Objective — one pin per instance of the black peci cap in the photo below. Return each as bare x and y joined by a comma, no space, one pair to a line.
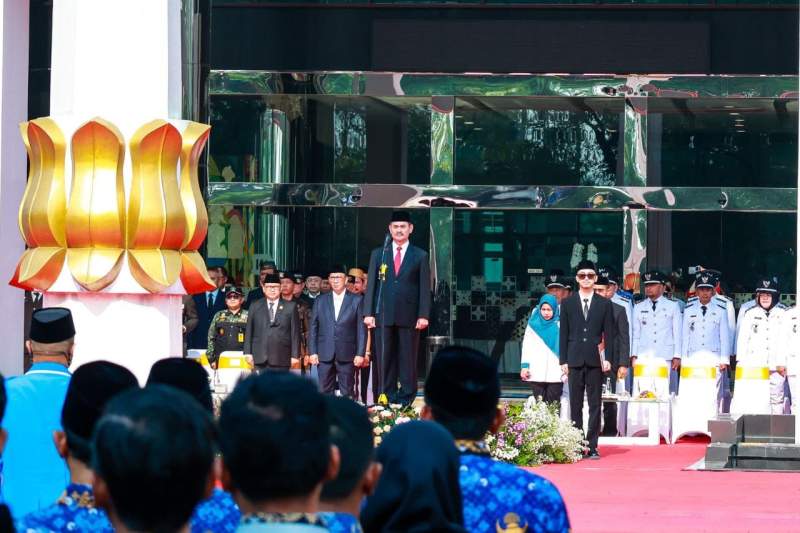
463,382
401,216
51,325
272,278
585,264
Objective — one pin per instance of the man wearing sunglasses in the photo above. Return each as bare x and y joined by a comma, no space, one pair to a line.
226,332
586,322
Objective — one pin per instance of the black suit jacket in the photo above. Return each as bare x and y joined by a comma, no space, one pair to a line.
254,294
407,296
579,338
198,338
344,338
274,343
622,346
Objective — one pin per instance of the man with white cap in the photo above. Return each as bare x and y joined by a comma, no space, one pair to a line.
760,355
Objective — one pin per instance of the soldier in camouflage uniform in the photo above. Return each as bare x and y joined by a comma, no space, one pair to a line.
226,332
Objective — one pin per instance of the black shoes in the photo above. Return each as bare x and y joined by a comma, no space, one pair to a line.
593,454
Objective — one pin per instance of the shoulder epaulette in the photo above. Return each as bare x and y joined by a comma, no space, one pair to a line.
722,297
692,299
722,306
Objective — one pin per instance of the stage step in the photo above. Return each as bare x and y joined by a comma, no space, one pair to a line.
752,442
766,456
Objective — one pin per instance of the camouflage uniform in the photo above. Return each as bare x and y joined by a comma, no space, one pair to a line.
225,333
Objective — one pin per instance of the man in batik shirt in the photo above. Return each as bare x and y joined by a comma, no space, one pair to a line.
92,386
462,393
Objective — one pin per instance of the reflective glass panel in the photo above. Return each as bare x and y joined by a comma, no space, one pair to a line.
537,141
320,139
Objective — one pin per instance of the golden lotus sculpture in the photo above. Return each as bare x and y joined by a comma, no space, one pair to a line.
157,233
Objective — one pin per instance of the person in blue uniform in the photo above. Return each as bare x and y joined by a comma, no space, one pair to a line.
90,389
462,394
6,523
33,474
351,432
218,513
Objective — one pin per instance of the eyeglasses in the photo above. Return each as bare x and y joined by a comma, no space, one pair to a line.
584,275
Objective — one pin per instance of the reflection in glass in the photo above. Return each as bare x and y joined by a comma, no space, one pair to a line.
537,141
722,142
320,139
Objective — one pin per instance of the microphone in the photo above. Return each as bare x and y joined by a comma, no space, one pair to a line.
387,240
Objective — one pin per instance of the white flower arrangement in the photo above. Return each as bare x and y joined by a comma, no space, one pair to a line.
385,418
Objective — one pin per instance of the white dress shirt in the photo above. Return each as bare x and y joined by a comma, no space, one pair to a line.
338,299
403,250
586,297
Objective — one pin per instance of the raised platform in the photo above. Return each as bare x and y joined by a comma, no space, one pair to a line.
752,442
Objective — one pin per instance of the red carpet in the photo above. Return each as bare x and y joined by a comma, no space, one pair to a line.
645,489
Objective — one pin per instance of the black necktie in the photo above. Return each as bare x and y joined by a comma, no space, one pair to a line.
210,300
703,307
586,309
272,311
654,307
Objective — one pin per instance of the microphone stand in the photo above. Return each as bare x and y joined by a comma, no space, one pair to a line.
380,306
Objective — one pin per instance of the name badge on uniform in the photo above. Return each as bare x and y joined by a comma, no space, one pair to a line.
240,338
221,331
691,326
755,328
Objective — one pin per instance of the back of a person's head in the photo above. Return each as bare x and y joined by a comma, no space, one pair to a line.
462,391
186,375
274,437
419,488
351,432
92,386
153,451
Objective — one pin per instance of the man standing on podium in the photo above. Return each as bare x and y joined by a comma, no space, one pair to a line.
400,273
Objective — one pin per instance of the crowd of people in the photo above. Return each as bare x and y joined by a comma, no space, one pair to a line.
587,340
94,451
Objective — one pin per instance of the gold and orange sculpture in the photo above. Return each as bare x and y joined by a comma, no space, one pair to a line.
157,234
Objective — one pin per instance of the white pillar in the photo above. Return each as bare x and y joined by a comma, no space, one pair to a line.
13,110
119,60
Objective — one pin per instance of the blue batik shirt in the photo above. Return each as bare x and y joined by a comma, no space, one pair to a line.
501,497
217,514
341,522
74,511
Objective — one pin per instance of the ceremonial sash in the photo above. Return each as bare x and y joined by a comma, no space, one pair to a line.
752,372
650,371
702,372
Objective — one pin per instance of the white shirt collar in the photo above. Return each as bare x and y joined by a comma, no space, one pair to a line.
403,247
339,296
589,297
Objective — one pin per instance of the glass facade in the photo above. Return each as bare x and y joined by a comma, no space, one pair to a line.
506,177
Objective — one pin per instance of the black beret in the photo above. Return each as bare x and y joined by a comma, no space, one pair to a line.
654,276
51,324
463,382
272,278
585,264
401,216
92,385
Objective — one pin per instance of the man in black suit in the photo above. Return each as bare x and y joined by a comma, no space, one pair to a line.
257,293
403,280
272,334
337,336
621,354
586,322
207,304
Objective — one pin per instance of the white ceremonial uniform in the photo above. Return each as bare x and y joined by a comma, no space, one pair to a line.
656,341
759,388
790,340
749,304
704,347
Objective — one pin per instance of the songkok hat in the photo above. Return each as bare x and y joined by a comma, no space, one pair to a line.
401,216
51,324
705,280
92,385
769,285
554,278
272,278
463,382
183,374
654,276
585,264
338,269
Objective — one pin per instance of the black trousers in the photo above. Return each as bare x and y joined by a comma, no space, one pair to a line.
398,362
548,392
333,372
266,367
588,379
